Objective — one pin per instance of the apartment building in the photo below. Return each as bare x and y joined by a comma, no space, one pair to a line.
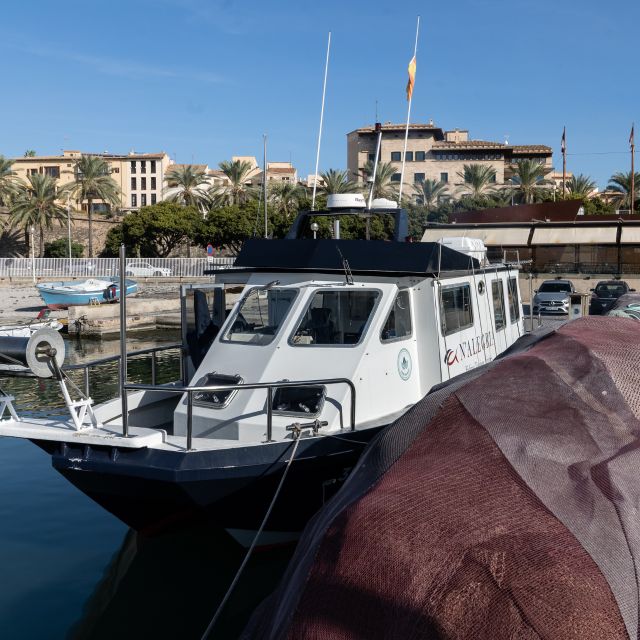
433,153
140,176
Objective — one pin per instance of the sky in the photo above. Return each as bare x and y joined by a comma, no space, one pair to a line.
203,80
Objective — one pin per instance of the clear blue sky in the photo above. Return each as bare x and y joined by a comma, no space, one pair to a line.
204,79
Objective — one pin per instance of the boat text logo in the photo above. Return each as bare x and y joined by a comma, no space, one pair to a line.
468,348
404,364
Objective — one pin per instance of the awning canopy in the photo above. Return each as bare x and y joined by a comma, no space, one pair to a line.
575,235
491,236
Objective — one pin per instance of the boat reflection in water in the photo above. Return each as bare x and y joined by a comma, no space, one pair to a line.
169,586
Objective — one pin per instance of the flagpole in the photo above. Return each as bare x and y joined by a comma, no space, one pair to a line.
564,161
324,91
406,131
633,174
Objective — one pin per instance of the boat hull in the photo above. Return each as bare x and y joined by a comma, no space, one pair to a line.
62,295
153,490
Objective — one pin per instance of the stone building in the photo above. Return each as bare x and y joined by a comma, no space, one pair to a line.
433,153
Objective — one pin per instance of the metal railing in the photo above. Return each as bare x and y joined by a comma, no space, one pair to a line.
108,267
269,386
86,367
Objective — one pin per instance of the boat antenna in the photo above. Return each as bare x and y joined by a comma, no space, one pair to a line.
378,129
264,185
324,92
412,66
345,265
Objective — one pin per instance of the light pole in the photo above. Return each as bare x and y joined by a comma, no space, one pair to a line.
69,228
33,253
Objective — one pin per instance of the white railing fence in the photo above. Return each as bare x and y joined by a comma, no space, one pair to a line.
105,267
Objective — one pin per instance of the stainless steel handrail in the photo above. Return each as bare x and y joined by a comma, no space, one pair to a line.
269,386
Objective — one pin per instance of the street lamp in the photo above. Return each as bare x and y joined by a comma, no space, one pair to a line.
314,227
69,227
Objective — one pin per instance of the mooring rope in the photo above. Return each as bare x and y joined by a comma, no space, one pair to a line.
232,586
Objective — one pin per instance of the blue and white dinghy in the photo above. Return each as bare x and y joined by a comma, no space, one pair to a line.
61,295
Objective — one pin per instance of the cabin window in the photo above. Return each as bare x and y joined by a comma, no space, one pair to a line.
306,401
514,306
216,399
498,304
260,315
398,323
456,312
336,318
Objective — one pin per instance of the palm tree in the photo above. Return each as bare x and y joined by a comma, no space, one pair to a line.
7,180
286,196
187,184
36,205
29,153
336,181
529,179
92,181
429,192
620,184
238,173
581,186
385,186
479,179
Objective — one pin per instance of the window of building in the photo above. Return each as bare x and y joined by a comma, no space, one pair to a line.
153,183
143,166
396,156
420,155
134,200
498,304
32,172
395,177
134,184
408,156
456,312
372,158
153,166
493,178
133,166
143,200
418,177
444,177
514,306
398,323
336,318
153,198
54,172
116,170
143,183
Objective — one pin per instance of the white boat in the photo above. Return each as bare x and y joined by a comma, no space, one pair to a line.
331,341
19,330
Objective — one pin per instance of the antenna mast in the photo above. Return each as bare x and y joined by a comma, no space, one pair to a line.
324,92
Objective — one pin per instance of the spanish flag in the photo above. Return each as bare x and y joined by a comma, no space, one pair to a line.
412,77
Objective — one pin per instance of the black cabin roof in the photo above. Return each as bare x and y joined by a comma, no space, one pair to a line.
363,256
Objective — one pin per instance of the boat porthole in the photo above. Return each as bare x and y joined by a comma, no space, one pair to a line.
480,287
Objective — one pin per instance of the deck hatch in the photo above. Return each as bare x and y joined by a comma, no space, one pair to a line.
216,399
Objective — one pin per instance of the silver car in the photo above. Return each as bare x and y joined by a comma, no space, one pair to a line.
141,268
553,296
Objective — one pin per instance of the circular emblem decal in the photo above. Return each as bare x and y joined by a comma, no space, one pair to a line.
404,364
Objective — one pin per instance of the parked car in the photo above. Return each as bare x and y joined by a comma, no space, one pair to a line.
553,296
145,269
605,295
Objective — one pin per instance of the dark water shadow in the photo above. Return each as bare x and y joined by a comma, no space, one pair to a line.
169,586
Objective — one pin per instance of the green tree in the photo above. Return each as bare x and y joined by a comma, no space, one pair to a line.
35,205
238,173
8,183
187,184
154,231
529,179
92,181
581,187
336,181
596,206
29,153
428,192
384,186
60,249
479,180
286,197
620,185
230,226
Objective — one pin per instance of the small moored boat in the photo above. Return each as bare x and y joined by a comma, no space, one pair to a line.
60,295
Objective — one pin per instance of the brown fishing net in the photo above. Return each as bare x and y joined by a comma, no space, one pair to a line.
504,505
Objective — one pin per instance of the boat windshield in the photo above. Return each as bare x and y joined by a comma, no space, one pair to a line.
260,315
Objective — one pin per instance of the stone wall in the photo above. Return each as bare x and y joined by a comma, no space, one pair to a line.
79,232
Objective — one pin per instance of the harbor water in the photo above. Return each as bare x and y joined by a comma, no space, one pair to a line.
71,570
